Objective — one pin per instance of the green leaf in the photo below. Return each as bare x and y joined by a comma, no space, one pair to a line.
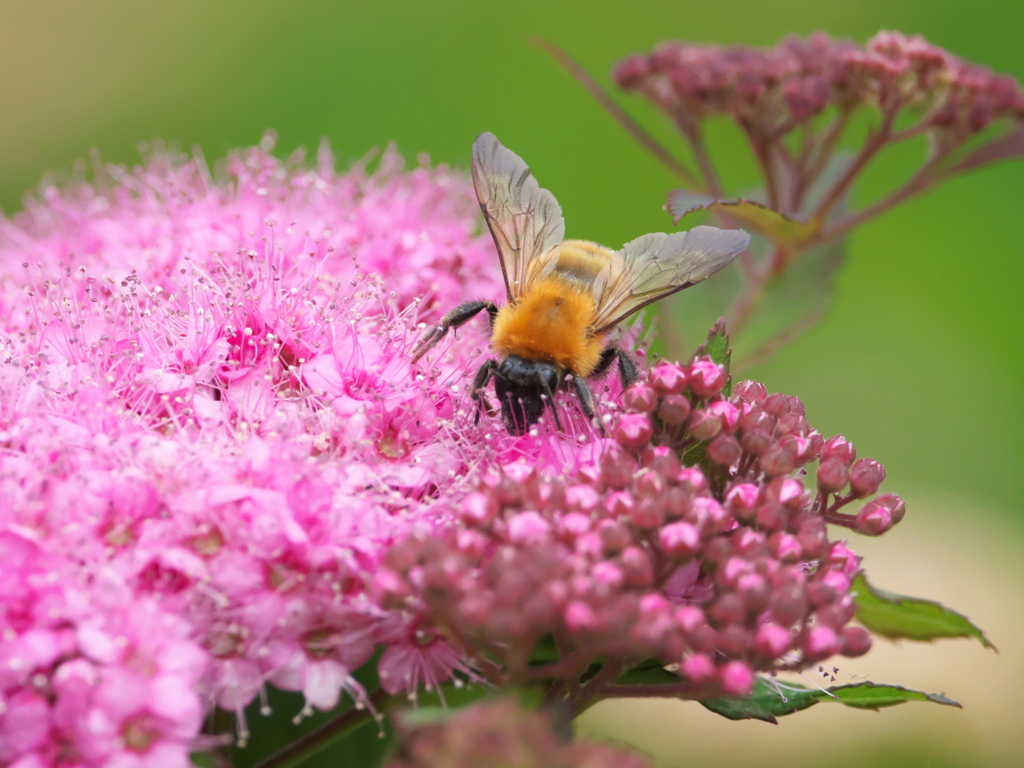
771,700
911,618
776,226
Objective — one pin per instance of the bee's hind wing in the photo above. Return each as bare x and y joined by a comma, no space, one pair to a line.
658,264
525,220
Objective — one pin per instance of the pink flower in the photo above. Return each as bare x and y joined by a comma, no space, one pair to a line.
208,409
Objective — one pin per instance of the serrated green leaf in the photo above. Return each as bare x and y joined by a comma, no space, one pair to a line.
876,696
770,701
911,618
776,226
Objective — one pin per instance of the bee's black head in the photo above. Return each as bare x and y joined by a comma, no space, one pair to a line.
523,386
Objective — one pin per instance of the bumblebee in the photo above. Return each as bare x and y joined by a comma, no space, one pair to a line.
564,296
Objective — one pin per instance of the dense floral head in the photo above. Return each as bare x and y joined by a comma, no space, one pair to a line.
206,401
777,88
690,538
221,469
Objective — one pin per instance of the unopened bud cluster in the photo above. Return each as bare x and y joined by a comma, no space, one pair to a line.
718,561
778,88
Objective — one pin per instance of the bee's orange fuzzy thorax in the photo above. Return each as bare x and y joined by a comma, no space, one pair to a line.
550,322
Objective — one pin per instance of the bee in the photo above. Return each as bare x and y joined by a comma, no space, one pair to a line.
564,296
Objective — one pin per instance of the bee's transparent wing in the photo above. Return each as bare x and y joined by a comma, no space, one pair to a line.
656,265
525,220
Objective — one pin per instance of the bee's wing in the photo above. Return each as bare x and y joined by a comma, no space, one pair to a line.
656,265
525,220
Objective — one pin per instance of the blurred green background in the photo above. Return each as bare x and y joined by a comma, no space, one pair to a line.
919,361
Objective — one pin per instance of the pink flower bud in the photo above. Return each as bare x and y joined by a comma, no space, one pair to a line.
583,498
753,588
840,449
756,441
580,617
679,539
842,558
777,461
528,528
647,515
785,491
832,476
608,576
874,519
792,423
650,484
667,379
786,547
894,504
614,537
633,430
856,641
631,71
788,604
725,451
820,643
728,413
674,409
692,480
750,392
703,425
708,514
772,517
771,640
705,377
477,509
619,504
866,476
637,567
729,608
741,501
698,668
736,678
776,404
617,467
663,460
640,398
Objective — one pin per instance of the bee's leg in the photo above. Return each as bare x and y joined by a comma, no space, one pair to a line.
586,398
454,319
480,382
627,370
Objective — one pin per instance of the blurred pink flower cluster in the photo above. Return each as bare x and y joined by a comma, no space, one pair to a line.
499,734
778,88
724,569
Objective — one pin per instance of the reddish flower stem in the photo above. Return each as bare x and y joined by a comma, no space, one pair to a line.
633,128
875,141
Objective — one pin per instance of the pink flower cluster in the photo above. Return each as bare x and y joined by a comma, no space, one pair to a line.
777,88
720,563
219,470
210,432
